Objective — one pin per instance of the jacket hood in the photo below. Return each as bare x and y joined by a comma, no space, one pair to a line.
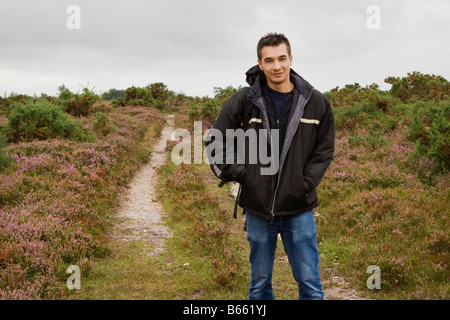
252,74
301,84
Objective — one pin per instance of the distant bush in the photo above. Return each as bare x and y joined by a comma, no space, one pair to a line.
418,86
430,130
7,103
135,96
203,109
78,104
113,94
154,95
207,109
158,90
223,94
38,120
5,160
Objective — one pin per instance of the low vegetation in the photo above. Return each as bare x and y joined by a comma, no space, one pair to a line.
60,175
384,200
63,160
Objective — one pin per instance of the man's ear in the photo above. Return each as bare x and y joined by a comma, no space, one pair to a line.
259,64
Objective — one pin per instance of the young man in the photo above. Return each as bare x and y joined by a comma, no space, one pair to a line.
298,128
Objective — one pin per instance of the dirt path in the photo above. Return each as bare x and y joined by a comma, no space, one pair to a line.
140,214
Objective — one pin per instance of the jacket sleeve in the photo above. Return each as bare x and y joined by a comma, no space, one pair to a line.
317,164
222,157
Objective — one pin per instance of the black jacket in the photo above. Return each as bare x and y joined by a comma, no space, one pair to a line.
306,147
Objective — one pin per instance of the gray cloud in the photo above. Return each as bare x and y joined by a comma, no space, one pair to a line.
193,46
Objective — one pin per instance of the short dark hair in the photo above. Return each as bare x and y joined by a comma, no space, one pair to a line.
272,40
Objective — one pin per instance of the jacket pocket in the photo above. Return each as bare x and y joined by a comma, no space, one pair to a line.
311,197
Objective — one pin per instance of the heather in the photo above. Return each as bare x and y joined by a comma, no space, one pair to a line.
59,187
385,198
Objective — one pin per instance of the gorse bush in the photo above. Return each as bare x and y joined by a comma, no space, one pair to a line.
38,120
418,86
430,130
103,124
5,160
206,109
223,94
78,104
154,95
353,93
158,90
7,104
209,110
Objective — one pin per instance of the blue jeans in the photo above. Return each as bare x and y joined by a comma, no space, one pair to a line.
299,240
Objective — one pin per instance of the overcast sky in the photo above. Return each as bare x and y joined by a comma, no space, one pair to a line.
195,45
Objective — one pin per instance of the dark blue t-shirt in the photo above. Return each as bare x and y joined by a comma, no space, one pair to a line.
278,100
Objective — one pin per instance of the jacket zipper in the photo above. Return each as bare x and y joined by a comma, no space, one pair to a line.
261,107
272,213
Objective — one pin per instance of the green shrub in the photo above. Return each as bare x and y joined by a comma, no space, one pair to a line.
209,110
430,131
7,103
38,120
154,95
79,105
417,86
158,91
119,102
135,96
134,93
223,94
103,124
194,112
112,94
5,160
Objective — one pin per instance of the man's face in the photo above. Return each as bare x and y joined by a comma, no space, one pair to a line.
276,64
